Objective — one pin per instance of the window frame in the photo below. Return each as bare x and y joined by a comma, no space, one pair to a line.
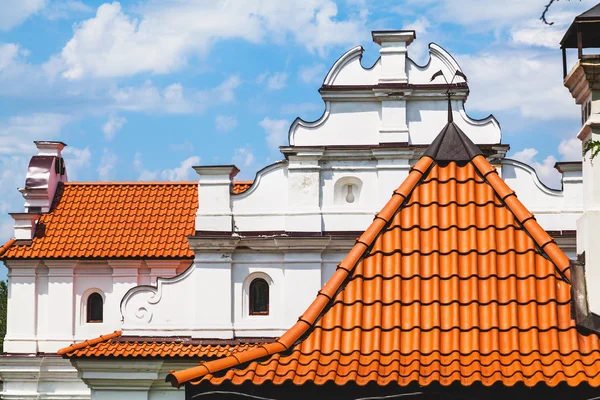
89,306
251,311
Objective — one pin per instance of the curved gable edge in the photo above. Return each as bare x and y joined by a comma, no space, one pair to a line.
258,177
342,62
436,52
143,313
534,176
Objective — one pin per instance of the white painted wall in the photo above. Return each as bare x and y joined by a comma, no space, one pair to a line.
46,305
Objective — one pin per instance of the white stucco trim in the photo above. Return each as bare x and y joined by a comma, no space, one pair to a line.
310,125
149,296
342,62
534,177
259,176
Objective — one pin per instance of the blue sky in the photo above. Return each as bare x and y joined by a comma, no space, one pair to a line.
142,90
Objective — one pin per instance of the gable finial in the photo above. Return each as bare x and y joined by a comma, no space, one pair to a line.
456,73
449,107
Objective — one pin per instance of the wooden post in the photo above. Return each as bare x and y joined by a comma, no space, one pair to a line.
579,44
564,60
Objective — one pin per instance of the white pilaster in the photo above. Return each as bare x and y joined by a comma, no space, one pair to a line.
393,54
304,190
394,128
22,307
214,197
24,225
213,316
61,302
302,263
124,276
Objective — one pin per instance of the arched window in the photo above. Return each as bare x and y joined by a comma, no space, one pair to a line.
95,308
259,297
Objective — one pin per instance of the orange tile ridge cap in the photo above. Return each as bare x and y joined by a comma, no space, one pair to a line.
539,235
114,183
90,342
7,246
324,296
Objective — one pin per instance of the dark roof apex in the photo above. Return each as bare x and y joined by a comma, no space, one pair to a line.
452,144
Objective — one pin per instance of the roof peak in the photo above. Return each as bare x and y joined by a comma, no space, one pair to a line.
452,144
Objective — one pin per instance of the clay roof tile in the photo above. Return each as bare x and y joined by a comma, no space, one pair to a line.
453,281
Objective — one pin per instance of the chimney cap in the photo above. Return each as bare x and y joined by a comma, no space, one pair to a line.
24,216
405,36
49,147
49,143
230,170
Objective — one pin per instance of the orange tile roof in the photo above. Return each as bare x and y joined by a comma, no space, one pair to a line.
111,220
241,186
114,345
454,281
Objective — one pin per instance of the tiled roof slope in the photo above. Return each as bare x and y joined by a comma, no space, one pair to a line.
106,220
454,281
241,186
114,345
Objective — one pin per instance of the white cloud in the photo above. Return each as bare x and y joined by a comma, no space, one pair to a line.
174,98
8,54
108,165
277,81
75,160
225,123
168,34
113,124
276,130
545,169
492,15
312,74
65,9
17,133
527,81
419,49
14,12
182,172
145,174
568,149
243,156
261,78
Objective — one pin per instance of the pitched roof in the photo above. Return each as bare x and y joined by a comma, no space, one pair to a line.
454,281
241,186
115,345
115,220
104,220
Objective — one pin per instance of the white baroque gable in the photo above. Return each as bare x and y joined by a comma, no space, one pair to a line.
361,109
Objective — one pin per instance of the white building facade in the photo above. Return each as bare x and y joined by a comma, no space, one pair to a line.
290,229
